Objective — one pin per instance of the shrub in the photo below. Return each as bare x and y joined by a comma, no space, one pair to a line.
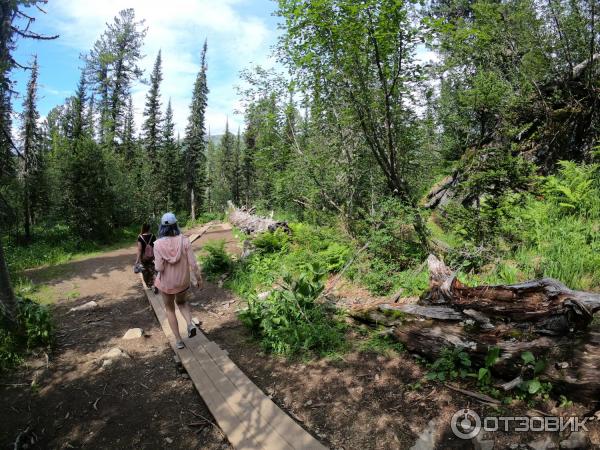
291,320
270,242
34,329
334,257
9,356
216,260
37,323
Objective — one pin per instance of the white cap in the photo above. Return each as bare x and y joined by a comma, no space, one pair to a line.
168,219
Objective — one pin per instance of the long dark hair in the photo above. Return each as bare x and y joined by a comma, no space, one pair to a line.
145,229
168,230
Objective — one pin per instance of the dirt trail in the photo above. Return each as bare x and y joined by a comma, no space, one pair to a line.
142,401
362,400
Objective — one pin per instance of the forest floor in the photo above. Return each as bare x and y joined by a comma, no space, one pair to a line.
355,400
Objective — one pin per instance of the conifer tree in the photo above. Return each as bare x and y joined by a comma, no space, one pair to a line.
128,133
195,135
89,124
152,113
247,170
13,23
170,163
112,67
236,172
78,106
31,147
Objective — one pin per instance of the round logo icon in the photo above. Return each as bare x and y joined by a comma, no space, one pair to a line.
465,424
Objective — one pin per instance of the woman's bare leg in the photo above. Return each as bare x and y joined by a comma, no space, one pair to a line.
184,307
169,301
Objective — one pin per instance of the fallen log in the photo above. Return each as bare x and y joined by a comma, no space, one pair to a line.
543,317
547,304
250,223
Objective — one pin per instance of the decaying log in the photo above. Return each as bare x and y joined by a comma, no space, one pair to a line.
547,304
251,223
543,317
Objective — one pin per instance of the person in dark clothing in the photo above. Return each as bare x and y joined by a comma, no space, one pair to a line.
145,256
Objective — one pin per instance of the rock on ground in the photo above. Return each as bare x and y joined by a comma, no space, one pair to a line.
133,333
577,439
85,306
112,355
542,444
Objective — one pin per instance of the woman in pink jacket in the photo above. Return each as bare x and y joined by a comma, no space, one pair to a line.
173,260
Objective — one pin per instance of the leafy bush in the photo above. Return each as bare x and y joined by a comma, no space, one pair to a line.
9,351
215,261
34,329
334,257
270,242
37,323
452,363
291,320
391,235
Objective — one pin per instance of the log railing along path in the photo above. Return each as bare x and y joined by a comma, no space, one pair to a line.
249,418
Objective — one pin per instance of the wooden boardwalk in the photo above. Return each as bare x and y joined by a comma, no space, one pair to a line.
245,414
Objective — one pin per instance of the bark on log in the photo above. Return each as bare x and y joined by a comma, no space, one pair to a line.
547,304
251,223
541,316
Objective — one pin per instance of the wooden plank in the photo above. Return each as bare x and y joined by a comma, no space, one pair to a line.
284,424
246,415
233,427
203,230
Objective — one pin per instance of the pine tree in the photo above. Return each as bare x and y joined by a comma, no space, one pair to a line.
247,170
170,163
236,169
10,29
112,67
152,125
226,165
78,105
128,133
195,143
89,124
31,147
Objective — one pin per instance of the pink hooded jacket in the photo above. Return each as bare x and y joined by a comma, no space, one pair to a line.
173,260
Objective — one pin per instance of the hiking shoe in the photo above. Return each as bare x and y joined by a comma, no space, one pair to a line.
180,345
191,330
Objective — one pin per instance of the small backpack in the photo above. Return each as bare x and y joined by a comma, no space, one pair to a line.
149,250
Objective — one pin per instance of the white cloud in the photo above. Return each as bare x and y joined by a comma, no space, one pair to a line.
178,28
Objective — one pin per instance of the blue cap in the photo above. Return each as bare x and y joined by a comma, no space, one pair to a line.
168,219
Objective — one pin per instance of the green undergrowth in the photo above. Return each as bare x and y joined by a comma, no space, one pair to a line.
215,260
291,320
34,329
277,254
378,341
57,244
553,231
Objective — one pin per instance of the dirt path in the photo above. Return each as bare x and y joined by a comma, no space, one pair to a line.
362,400
137,402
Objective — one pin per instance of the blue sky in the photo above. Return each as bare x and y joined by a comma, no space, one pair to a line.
240,34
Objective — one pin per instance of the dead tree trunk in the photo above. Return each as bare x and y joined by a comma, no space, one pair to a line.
541,316
250,223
